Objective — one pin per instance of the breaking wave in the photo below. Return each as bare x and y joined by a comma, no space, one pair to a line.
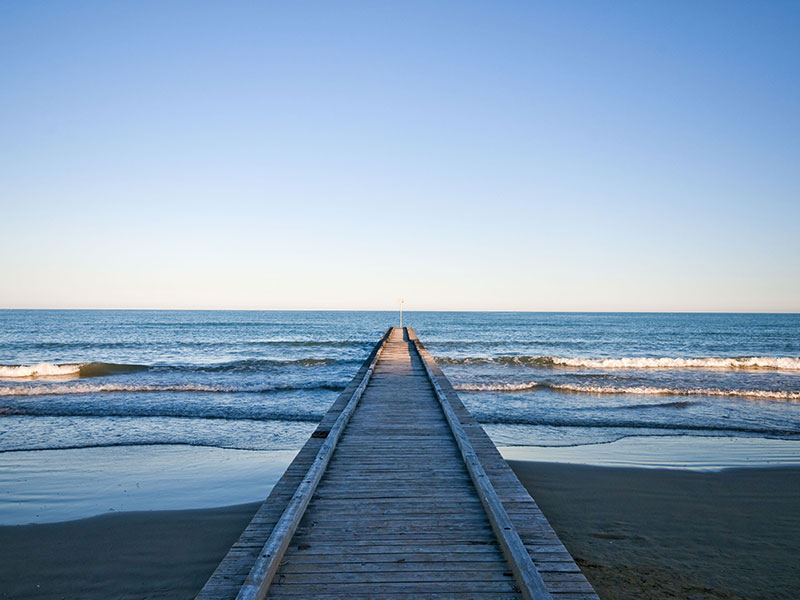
659,391
775,363
181,411
102,388
744,362
639,390
257,363
498,387
332,343
46,369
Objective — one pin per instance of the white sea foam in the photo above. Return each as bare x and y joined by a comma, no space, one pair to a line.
640,390
659,391
497,387
783,363
746,362
44,369
92,388
103,388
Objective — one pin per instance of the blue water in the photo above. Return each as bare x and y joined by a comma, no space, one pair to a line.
261,380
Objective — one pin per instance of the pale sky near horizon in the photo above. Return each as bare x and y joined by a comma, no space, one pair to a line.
462,155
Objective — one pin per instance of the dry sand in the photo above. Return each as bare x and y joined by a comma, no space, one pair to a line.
637,533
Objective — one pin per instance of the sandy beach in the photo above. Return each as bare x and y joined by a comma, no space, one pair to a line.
152,554
661,533
637,533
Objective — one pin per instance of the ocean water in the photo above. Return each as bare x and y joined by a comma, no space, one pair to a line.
261,380
148,410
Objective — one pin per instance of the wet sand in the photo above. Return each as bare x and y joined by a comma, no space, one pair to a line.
637,533
658,533
153,554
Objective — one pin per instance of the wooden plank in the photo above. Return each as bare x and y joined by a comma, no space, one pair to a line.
392,594
384,576
310,590
434,564
442,560
333,548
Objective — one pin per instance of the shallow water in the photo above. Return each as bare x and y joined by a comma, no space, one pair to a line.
61,485
692,453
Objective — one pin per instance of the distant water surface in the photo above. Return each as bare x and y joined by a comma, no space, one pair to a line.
261,380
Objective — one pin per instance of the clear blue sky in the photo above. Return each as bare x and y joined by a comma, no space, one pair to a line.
463,155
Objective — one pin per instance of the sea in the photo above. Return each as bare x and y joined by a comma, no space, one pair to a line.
115,392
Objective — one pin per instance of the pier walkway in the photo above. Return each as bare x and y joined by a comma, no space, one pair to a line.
399,493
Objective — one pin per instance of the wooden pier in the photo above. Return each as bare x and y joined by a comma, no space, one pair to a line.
399,493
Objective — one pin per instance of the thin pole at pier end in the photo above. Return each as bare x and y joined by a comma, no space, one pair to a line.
400,302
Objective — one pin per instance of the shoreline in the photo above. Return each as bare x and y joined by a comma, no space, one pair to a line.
635,532
58,485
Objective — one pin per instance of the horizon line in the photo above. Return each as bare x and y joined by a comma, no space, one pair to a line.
408,311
